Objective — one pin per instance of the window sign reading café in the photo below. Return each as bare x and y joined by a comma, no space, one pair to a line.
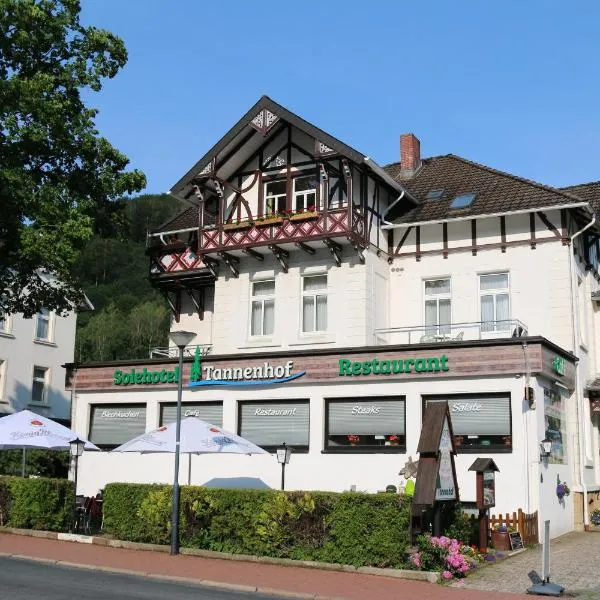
479,421
360,423
270,423
112,425
211,412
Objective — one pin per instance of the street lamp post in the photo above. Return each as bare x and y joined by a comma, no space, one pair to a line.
76,447
181,339
283,458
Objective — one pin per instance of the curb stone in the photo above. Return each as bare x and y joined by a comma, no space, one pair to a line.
428,576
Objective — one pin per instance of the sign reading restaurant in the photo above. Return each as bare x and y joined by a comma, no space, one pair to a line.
389,367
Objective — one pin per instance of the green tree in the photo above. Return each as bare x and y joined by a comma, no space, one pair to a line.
60,181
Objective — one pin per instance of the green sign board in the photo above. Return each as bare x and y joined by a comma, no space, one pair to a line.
558,365
145,377
392,367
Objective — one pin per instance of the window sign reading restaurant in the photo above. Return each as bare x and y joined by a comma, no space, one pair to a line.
479,421
211,412
270,423
112,425
374,423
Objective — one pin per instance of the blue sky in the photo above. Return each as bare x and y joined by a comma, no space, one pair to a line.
514,85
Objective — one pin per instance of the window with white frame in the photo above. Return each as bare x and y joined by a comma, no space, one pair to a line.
40,383
437,306
305,193
262,319
42,325
314,303
3,323
495,302
275,196
2,378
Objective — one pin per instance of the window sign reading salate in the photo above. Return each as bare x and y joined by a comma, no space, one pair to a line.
373,423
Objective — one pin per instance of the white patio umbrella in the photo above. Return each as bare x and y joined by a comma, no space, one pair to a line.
25,429
197,437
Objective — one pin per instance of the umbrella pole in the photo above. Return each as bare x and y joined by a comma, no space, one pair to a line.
23,462
190,469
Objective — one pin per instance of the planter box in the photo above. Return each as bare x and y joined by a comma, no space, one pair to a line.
234,226
269,221
304,216
500,540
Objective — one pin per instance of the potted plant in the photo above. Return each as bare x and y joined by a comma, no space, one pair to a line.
353,439
562,490
270,219
595,517
305,214
393,440
500,538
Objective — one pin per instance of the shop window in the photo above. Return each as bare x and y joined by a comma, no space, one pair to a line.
314,303
39,385
275,196
437,306
494,301
262,320
269,424
114,424
555,425
480,422
305,193
211,412
357,425
42,325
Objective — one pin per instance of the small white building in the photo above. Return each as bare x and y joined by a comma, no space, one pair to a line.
33,353
381,289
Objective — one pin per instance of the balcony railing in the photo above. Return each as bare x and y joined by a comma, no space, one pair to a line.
453,332
173,351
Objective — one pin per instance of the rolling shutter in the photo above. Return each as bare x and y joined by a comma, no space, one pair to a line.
211,412
270,424
366,417
114,425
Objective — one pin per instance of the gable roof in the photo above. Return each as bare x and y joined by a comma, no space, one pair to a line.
243,129
590,192
496,192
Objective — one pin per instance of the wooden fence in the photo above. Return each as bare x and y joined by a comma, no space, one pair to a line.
526,525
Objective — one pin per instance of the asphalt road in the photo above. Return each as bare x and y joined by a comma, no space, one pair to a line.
29,580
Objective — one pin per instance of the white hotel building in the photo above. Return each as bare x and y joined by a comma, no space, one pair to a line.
377,290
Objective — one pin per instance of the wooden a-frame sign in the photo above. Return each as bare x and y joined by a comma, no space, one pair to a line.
436,475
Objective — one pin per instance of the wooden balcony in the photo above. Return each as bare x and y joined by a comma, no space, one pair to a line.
333,229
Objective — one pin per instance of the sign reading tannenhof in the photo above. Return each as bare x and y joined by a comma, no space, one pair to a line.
390,367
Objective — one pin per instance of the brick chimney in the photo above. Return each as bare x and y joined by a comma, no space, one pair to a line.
410,153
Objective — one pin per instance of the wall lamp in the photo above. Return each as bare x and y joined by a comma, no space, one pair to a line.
545,448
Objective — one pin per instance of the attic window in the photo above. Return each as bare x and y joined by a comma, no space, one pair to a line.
463,200
434,194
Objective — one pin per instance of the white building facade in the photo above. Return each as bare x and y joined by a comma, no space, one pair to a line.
382,290
33,353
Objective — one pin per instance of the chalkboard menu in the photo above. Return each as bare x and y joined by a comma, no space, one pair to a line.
516,541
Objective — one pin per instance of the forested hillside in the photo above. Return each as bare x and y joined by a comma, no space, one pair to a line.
130,317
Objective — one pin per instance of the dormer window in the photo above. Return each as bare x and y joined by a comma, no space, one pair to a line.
434,194
275,196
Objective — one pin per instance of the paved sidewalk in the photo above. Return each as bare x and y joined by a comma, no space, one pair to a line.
279,580
573,564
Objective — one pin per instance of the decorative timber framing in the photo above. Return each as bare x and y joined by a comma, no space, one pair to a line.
282,256
336,251
565,239
264,121
232,262
173,298
197,298
418,243
546,221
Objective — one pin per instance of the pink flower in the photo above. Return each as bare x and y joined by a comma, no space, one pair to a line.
447,575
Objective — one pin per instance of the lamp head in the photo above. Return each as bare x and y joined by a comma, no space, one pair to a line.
182,338
76,447
545,448
284,453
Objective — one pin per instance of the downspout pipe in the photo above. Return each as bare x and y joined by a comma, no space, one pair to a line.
575,325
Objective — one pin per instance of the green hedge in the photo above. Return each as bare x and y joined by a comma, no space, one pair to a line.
348,528
39,503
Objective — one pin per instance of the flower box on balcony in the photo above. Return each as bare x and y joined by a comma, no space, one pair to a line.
305,216
269,221
239,225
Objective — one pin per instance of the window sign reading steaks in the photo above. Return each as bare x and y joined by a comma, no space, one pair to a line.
393,367
113,425
268,424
